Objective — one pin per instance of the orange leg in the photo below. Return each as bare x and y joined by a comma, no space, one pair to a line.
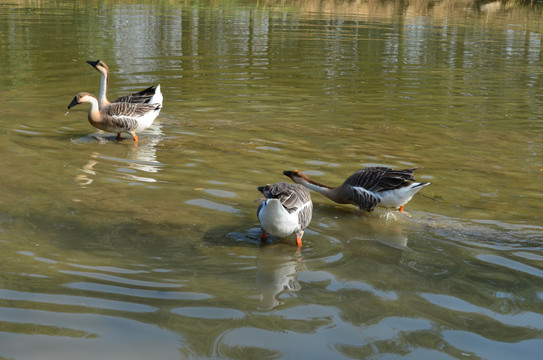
298,241
135,137
118,136
262,236
401,209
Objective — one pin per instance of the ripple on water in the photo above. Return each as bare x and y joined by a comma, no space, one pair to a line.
220,193
323,327
208,204
111,269
309,276
121,280
154,294
71,300
206,312
490,349
524,319
510,264
83,336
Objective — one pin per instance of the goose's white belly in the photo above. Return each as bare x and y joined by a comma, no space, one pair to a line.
398,197
146,120
276,221
391,199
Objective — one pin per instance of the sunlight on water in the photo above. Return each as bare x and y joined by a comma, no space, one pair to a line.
123,250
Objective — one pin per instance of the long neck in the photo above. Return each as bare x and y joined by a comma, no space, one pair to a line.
315,186
102,97
94,112
332,193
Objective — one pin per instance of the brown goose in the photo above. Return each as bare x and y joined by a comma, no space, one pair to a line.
151,95
368,187
118,117
286,209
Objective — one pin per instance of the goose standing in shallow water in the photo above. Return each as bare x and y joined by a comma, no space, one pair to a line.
368,187
151,95
287,209
118,117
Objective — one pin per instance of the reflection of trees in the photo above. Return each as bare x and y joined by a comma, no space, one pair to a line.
262,38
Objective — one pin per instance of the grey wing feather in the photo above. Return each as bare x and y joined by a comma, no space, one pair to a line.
381,178
140,97
292,196
364,199
132,110
305,214
123,115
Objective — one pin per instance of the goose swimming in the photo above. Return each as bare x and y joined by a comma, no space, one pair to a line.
287,209
118,117
368,187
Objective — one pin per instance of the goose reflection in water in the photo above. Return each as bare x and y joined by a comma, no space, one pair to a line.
277,268
138,158
382,227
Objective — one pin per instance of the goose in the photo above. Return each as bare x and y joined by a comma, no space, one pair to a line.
118,117
287,209
368,187
151,95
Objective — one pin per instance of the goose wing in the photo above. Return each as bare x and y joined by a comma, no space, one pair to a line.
124,116
140,97
294,198
129,109
306,212
375,179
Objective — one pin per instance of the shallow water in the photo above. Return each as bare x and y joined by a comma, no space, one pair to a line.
117,250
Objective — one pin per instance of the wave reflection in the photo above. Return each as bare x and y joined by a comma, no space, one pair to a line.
139,158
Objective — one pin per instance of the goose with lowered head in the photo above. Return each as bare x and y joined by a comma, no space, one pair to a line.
286,209
368,188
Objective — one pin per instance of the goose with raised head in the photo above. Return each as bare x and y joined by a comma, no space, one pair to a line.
287,209
368,188
118,117
151,95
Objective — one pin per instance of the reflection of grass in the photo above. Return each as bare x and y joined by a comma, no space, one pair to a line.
379,8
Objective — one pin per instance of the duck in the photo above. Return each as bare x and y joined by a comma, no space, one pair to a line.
286,209
151,95
368,188
118,117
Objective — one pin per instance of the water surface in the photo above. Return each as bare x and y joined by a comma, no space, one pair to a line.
115,250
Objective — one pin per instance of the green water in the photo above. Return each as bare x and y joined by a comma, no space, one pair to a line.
115,250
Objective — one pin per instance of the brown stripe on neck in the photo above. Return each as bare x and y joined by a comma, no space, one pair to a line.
318,184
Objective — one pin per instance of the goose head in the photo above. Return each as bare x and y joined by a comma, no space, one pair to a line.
296,176
265,190
82,97
99,65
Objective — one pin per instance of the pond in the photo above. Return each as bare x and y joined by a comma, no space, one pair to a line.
122,250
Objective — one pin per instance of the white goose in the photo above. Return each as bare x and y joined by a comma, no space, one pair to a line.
287,209
368,187
118,117
150,95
